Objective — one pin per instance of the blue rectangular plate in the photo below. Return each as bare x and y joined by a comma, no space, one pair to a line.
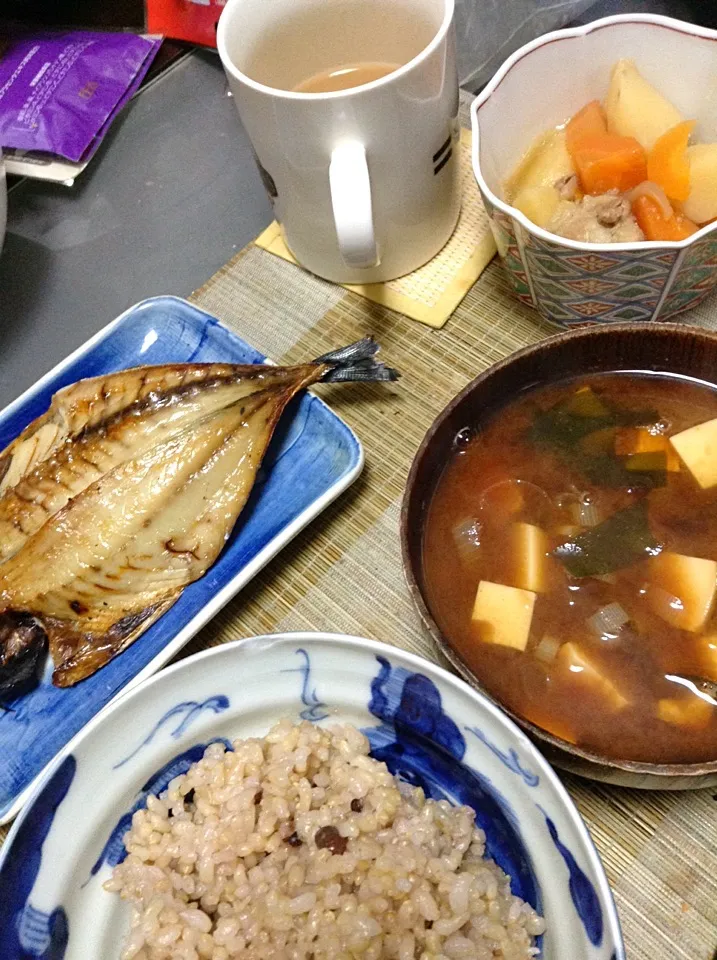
313,457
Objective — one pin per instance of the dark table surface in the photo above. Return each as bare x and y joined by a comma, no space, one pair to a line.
172,194
170,197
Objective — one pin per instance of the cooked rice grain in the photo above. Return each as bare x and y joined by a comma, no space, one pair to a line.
302,847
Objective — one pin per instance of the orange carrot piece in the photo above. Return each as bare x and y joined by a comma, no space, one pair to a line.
632,440
656,226
667,162
607,161
685,226
589,120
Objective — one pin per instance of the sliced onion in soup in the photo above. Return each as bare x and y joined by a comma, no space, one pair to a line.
608,621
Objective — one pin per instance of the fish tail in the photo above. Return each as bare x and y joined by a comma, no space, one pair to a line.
356,362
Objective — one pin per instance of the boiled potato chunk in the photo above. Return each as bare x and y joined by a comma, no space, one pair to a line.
546,162
577,662
503,614
701,202
689,585
537,203
693,712
635,109
528,550
697,447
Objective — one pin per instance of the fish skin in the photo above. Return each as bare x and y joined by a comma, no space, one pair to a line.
125,491
98,571
22,644
103,422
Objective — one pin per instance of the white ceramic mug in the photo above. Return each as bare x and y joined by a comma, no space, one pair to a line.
365,181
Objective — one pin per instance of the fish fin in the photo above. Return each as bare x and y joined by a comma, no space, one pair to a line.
78,655
356,362
35,444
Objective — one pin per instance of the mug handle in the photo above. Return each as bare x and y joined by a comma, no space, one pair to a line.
351,201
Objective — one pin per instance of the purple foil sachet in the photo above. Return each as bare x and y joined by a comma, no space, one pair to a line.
59,92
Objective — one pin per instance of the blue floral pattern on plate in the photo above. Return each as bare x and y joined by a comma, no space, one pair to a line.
421,744
416,722
25,931
315,709
189,710
510,758
312,458
581,890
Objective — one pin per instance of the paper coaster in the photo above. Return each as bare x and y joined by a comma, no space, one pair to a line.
431,293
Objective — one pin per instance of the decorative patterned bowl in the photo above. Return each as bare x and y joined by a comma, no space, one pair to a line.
542,85
427,725
665,348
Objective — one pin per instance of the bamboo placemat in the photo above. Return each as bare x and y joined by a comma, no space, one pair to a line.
344,573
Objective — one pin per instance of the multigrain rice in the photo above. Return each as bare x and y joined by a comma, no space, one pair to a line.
300,846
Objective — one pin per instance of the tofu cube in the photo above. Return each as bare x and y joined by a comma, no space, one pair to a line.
685,589
632,440
503,614
692,712
573,659
707,656
697,448
528,551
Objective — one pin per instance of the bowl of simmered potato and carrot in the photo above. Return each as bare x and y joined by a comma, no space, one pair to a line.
595,151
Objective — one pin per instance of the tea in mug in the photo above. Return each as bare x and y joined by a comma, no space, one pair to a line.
338,44
345,77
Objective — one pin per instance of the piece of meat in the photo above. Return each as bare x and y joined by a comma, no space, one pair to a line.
603,219
567,187
611,210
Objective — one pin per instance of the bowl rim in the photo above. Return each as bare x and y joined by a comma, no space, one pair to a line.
257,645
635,246
636,767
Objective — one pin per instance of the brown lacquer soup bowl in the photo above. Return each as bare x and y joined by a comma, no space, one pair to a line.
612,590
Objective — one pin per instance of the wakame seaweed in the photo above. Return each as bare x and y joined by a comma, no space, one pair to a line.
605,470
622,539
564,427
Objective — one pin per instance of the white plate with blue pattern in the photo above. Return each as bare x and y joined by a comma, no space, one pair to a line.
313,457
430,727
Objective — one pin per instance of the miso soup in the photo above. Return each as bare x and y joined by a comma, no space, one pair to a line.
570,558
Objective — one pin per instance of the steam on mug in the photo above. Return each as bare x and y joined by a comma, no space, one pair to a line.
351,107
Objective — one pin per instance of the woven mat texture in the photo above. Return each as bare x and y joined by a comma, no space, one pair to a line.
344,572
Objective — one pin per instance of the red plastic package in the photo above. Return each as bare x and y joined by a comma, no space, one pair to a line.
192,20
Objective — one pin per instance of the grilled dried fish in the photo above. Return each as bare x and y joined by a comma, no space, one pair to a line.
126,490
